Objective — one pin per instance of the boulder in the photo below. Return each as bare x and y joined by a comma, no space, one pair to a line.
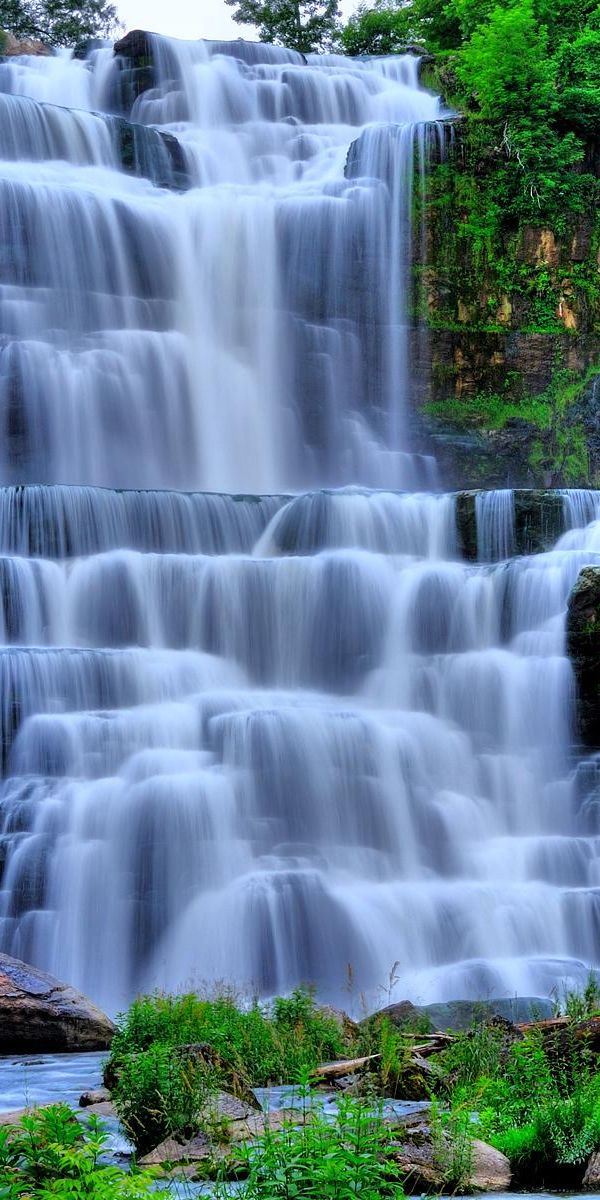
460,1014
490,1169
39,1013
583,648
173,1151
104,1109
15,1115
464,1014
591,1179
426,1162
136,45
201,1146
347,1027
403,1015
96,1096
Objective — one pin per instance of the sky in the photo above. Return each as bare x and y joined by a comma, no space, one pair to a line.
188,18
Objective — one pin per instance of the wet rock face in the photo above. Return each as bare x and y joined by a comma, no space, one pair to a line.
135,56
539,521
39,1013
583,648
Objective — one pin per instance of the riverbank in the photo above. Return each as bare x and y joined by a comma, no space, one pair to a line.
201,1088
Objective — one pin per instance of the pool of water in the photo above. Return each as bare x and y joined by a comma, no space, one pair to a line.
48,1078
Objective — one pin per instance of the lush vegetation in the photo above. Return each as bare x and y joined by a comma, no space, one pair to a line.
511,211
171,1053
49,1154
58,22
304,25
313,1158
534,1094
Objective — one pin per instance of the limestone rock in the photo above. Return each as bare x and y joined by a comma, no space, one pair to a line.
201,1146
39,1013
257,1123
172,1151
226,1105
104,1108
14,1116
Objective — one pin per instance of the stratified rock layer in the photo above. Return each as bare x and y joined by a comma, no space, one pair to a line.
38,1012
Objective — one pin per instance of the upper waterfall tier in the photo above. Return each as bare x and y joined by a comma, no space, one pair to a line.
249,335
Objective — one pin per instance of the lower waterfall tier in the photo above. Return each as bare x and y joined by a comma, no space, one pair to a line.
266,766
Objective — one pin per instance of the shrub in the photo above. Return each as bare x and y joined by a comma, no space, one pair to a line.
321,1159
161,1092
50,1154
261,1045
160,1089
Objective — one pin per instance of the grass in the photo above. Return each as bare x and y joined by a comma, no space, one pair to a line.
171,1053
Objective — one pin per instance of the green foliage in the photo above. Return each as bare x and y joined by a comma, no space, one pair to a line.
161,1087
58,22
49,1154
473,1054
578,1005
526,76
537,1101
563,1130
378,30
261,1044
505,68
160,1092
304,25
452,1134
320,1159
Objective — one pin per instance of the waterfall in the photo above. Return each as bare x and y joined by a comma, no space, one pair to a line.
260,720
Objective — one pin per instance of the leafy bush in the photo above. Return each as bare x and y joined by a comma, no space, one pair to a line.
318,1159
160,1092
49,1154
262,1044
564,1130
172,1052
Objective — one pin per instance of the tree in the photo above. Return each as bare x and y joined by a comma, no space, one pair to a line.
384,29
507,68
58,22
304,25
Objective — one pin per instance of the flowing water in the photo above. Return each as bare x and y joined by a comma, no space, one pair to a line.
266,736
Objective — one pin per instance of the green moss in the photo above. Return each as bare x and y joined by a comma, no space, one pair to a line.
558,443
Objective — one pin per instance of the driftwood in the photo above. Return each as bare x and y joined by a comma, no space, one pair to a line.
345,1066
586,1030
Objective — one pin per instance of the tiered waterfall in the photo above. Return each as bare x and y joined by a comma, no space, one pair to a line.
269,735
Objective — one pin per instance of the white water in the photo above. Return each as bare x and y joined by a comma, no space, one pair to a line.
247,335
250,737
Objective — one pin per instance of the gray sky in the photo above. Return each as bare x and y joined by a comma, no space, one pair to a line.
188,18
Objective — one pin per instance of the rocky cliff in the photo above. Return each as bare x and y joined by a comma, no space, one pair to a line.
507,324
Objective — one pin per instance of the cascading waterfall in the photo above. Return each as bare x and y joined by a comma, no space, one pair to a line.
265,735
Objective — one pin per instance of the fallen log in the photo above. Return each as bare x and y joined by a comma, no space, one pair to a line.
344,1066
